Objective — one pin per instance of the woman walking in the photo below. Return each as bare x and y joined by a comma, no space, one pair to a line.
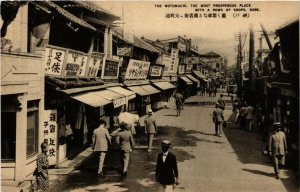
42,163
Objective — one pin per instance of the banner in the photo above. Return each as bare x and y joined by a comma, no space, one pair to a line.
94,64
137,69
50,133
73,64
54,59
83,66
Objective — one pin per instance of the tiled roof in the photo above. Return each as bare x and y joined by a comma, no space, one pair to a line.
68,15
144,45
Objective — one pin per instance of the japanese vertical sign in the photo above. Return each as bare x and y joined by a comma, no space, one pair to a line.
137,69
50,133
174,61
94,65
54,59
83,66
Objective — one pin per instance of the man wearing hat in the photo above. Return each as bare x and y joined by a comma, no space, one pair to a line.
277,148
218,120
150,129
166,168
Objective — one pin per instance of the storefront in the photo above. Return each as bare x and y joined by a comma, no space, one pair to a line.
22,109
185,86
196,84
167,91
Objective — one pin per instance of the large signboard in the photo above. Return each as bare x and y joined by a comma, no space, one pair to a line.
54,59
137,69
110,69
73,63
50,133
156,71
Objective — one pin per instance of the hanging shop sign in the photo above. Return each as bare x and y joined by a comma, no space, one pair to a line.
137,69
119,102
54,59
94,64
156,71
181,69
192,60
110,69
50,133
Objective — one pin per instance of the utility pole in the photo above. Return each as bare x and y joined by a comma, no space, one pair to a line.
251,57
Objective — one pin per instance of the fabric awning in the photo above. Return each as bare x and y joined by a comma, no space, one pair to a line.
150,89
200,75
186,80
122,91
116,98
138,90
194,79
164,85
91,99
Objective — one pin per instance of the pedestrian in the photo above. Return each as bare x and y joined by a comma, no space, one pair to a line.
41,172
125,140
166,168
150,129
221,102
178,106
242,117
249,117
277,148
100,141
218,119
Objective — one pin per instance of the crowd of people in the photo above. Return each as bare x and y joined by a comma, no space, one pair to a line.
210,91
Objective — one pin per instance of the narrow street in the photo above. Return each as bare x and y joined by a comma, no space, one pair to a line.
233,162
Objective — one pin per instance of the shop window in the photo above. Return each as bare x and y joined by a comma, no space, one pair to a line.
8,136
32,127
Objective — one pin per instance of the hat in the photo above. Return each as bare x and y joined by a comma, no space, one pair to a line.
217,104
166,142
150,111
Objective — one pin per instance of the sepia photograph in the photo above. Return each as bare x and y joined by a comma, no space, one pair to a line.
149,96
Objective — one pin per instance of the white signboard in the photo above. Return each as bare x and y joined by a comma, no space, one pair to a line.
73,64
119,102
137,69
54,59
83,66
50,133
155,71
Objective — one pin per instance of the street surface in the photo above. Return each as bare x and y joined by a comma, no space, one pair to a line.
233,162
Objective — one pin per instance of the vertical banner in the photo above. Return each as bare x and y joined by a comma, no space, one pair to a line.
83,66
54,59
174,60
50,133
94,64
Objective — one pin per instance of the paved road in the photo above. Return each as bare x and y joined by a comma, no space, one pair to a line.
233,162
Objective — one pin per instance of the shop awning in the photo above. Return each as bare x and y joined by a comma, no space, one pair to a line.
116,98
186,80
164,85
150,89
91,99
194,79
122,91
200,75
138,90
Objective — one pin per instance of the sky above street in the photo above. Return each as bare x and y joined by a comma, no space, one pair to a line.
148,19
